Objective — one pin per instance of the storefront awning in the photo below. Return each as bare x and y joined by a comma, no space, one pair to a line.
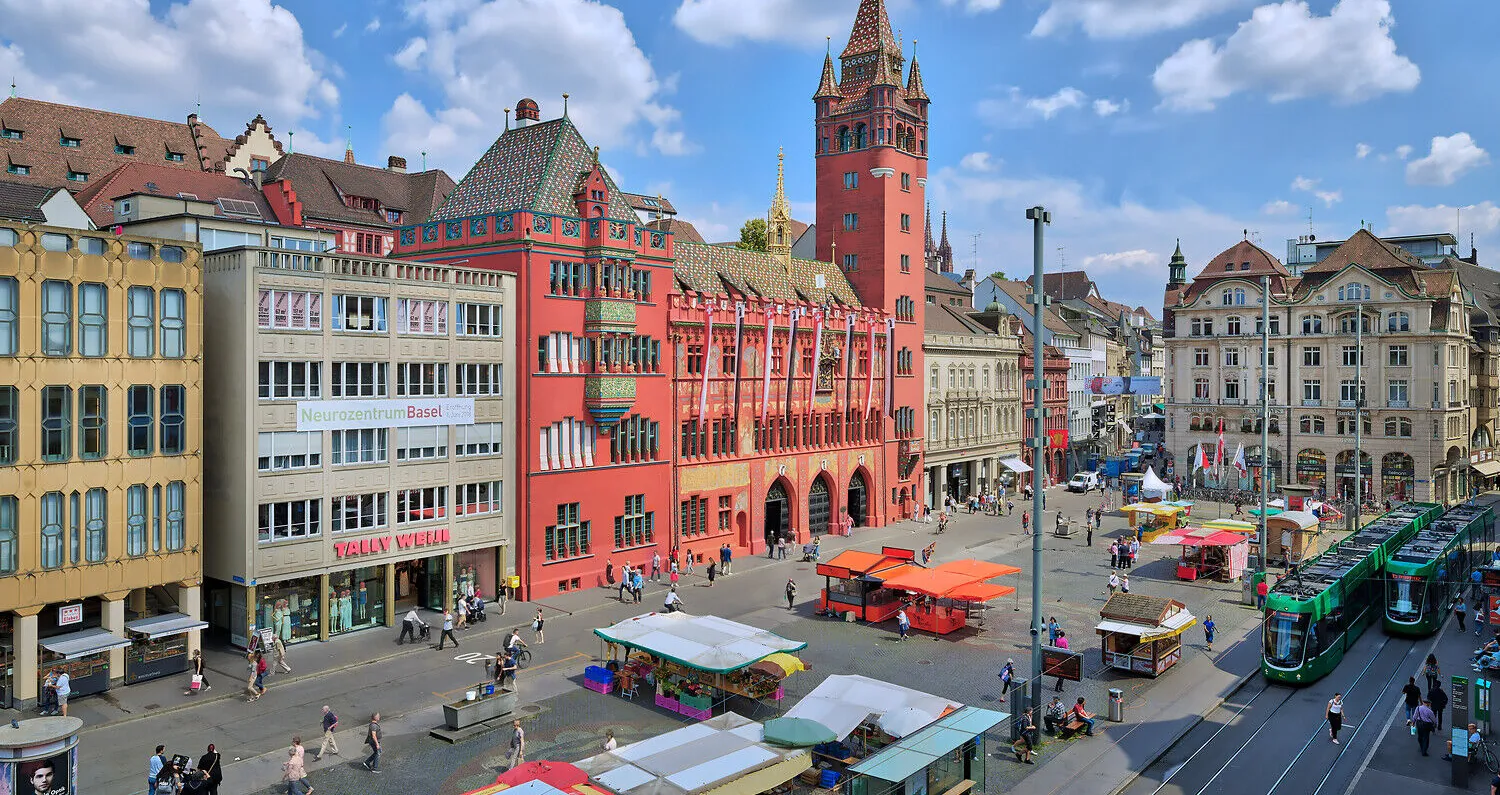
83,643
1015,465
165,625
1487,468
1174,625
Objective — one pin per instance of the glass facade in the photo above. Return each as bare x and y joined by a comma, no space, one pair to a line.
356,599
289,608
476,574
420,583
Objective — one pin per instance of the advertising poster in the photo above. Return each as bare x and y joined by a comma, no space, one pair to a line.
51,776
5,779
1125,385
1062,663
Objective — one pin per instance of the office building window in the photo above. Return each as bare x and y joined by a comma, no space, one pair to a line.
358,379
57,421
358,446
10,314
415,444
355,512
92,421
140,321
478,380
364,313
290,310
176,516
421,505
57,318
10,410
290,380
9,535
480,320
282,450
173,419
173,324
53,541
95,525
475,499
288,521
479,439
93,319
139,415
418,379
421,316
135,520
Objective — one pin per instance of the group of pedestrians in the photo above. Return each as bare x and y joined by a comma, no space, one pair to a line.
1122,552
177,775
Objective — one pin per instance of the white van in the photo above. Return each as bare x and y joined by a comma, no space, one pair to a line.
1084,482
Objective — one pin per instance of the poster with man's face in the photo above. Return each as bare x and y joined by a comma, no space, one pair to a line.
45,777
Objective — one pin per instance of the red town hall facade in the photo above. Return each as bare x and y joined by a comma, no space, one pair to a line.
679,396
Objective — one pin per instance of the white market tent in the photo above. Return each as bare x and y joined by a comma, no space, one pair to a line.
1153,486
843,701
725,755
706,643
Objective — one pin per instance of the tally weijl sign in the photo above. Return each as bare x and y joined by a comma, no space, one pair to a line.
336,415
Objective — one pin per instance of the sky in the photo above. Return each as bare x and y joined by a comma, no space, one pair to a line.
1136,122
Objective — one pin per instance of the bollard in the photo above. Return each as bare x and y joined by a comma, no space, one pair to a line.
1116,705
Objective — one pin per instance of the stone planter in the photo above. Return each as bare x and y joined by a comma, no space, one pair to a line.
462,714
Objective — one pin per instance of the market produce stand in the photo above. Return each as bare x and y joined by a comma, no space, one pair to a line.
1210,553
947,598
694,663
1152,519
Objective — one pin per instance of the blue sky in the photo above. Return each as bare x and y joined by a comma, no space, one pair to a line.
1135,121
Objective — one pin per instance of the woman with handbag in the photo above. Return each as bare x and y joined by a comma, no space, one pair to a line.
199,682
209,765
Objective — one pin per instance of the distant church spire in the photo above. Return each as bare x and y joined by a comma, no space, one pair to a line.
945,251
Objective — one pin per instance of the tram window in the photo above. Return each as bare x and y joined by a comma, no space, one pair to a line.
1285,637
1405,597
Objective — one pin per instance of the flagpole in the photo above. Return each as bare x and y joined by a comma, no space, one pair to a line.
1359,400
1265,411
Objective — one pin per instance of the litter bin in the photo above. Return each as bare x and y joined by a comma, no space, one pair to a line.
1116,705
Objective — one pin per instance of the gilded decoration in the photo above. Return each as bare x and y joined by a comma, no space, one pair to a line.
608,316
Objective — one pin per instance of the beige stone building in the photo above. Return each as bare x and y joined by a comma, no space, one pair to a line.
360,408
101,416
1411,395
973,395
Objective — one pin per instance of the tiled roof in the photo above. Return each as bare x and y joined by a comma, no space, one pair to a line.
1138,608
682,230
1260,262
20,201
940,283
1065,286
1367,251
944,319
535,167
98,199
650,204
1018,291
872,30
43,124
321,185
721,269
1141,310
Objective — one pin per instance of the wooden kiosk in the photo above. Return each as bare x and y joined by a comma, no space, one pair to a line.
1142,634
943,599
1292,537
1152,519
853,582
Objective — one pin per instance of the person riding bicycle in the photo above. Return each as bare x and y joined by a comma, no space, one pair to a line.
513,644
942,521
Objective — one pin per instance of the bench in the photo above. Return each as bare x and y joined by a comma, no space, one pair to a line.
1071,729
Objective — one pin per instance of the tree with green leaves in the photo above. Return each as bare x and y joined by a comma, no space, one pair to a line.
753,235
998,276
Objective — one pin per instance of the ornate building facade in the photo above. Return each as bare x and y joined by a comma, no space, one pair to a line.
1410,395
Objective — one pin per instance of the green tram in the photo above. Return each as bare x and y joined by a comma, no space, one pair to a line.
1320,608
1433,567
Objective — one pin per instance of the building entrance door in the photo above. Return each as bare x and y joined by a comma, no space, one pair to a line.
818,508
857,499
776,514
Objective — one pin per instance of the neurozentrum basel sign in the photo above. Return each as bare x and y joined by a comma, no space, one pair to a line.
337,415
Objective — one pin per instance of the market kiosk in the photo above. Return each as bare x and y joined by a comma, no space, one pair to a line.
945,598
694,663
159,646
540,778
1150,520
1142,634
1292,537
948,756
853,580
1210,553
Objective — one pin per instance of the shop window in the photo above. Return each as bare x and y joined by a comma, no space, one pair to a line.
479,439
92,421
289,609
140,322
57,318
357,446
139,408
478,380
173,324
356,599
57,420
173,421
135,520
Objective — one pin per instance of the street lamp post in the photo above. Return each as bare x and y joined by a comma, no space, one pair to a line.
1265,411
1039,218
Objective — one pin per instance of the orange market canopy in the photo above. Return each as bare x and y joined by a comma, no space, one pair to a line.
963,580
980,592
853,563
979,569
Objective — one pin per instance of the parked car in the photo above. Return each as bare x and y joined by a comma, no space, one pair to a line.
1084,482
1149,448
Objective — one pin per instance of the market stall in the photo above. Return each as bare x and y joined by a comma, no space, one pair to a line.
540,778
1142,634
1150,520
1154,489
726,755
694,663
866,714
159,646
1210,553
948,756
853,580
943,599
1291,537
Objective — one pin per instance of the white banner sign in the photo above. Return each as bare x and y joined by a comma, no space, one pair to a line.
335,415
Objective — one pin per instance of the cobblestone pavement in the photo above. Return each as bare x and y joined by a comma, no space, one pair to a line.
962,666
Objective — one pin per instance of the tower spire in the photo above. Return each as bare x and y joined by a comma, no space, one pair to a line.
828,84
945,251
349,144
915,92
779,219
1177,268
928,249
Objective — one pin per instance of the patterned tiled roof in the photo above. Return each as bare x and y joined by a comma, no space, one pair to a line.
98,199
828,85
535,167
717,269
321,185
683,231
21,201
915,92
872,30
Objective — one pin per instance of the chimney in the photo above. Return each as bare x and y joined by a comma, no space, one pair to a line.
395,164
527,113
349,156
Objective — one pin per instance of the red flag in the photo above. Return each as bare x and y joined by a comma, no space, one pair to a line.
708,355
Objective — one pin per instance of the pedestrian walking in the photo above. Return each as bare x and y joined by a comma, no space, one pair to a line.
211,766
1458,612
791,592
154,766
279,649
1413,696
1052,630
673,576
1114,554
461,611
1025,523
1135,549
1424,722
447,631
1261,589
1088,530
1125,583
624,582
1208,632
536,626
655,566
1335,716
689,563
330,723
637,584
261,669
1062,643
294,775
1114,582
1439,701
903,623
517,745
1099,519
372,739
198,683
726,556
712,571
784,548
1007,677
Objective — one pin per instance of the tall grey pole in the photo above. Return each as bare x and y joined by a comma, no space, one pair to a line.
1039,217
1265,411
1359,403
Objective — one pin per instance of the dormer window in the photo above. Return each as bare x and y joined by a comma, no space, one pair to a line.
174,157
14,135
363,203
124,149
393,216
70,143
596,195
18,169
78,176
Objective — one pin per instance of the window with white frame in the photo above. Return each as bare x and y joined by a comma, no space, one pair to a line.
1203,327
357,379
290,520
1397,356
352,513
1398,321
560,352
1200,389
1231,357
475,499
1312,356
290,380
1396,392
1399,427
421,316
1200,357
1351,357
1354,291
421,379
364,313
480,320
1311,424
358,446
140,321
1349,390
415,444
277,451
1232,325
421,505
479,439
567,444
291,310
478,379
1312,389
1312,324
1231,389
173,323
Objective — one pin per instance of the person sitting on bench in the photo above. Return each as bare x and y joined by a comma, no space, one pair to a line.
1080,715
1053,717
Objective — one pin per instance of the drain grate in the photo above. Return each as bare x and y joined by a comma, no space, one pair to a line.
924,662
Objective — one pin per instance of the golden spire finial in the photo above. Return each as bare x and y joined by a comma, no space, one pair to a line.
779,219
596,155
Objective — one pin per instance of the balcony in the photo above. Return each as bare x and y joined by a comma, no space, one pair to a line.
1396,404
1312,403
1232,401
608,316
1203,400
608,397
1348,404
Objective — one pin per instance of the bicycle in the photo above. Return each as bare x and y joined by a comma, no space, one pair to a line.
1482,752
523,658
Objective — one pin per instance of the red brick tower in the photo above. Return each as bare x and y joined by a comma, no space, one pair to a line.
871,183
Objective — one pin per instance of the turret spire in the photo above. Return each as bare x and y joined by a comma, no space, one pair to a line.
828,85
927,247
1177,268
915,92
779,219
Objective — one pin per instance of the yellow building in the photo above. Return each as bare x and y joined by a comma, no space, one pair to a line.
100,438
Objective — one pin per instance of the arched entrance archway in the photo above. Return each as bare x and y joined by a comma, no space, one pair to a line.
858,498
819,507
1343,469
778,512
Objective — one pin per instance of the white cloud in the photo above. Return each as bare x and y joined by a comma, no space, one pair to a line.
1482,221
550,48
1449,159
1329,197
1106,107
1362,151
73,51
796,22
1118,19
373,25
1304,184
1136,258
1015,108
408,56
1278,207
1066,98
976,6
1403,151
339,31
1287,53
976,161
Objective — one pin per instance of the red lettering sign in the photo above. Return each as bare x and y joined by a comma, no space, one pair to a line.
376,546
